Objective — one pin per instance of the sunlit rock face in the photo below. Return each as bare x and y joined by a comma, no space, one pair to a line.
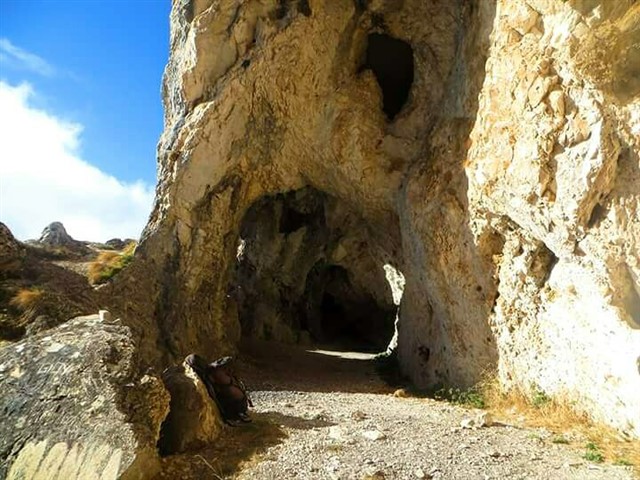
74,407
487,150
554,171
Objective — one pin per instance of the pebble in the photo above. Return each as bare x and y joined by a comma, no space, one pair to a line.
373,435
467,423
336,433
484,419
358,415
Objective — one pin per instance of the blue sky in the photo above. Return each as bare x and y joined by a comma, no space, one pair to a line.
94,69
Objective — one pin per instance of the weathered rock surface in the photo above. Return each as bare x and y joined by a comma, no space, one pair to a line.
55,235
73,407
118,243
11,252
554,170
505,187
194,419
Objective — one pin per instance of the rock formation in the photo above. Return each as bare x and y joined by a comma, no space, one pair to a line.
75,407
490,154
55,235
194,420
11,252
486,152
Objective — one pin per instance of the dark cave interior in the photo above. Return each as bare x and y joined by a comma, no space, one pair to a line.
289,289
391,60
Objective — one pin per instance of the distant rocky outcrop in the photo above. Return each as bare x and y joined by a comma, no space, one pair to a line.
54,240
118,243
56,235
73,406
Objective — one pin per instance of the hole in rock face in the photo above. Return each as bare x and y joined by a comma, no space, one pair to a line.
297,282
391,60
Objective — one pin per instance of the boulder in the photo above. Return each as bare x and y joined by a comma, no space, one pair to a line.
73,406
194,419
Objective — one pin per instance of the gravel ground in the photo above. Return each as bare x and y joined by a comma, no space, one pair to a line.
356,436
320,416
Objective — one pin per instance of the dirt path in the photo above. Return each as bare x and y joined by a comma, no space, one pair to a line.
321,416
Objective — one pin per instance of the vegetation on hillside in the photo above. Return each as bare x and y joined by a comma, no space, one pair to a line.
109,263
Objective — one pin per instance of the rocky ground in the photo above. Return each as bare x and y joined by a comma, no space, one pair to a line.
320,415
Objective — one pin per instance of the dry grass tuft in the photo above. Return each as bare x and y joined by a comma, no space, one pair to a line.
109,263
559,416
28,299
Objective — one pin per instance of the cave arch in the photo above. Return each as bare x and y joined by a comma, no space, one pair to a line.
294,283
391,61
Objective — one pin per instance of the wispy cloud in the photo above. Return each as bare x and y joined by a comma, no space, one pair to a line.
44,179
17,58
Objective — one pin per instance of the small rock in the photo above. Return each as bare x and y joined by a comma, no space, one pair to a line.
419,473
373,435
401,393
495,454
556,101
377,475
358,415
484,419
467,423
105,315
336,433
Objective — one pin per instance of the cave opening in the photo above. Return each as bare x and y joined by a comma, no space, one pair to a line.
305,275
391,61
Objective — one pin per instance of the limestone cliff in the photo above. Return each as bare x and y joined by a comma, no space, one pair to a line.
487,150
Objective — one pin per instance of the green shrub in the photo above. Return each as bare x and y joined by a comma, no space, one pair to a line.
471,397
539,398
593,453
110,263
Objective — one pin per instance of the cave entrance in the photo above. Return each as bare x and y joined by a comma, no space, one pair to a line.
391,61
306,274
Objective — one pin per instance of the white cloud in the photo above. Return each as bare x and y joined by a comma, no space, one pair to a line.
43,179
16,57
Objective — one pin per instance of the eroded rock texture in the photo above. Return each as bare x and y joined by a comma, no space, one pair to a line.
194,419
73,406
487,150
